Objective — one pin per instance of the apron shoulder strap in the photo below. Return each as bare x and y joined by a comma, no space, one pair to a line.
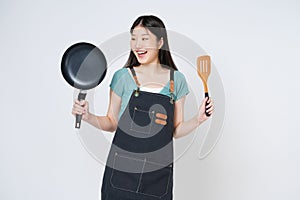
134,76
172,80
136,93
171,85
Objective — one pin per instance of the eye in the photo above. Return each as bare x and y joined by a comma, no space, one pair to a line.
145,38
132,38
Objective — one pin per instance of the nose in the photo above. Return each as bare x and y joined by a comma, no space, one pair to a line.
138,44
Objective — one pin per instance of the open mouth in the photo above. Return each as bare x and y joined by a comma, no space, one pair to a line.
141,52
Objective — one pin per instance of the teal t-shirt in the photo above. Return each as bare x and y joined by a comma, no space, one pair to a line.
123,84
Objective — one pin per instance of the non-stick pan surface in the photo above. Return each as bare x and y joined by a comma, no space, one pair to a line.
83,66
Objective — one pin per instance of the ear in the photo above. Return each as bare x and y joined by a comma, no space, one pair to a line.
160,43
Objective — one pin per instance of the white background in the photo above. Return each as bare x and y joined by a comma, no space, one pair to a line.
255,46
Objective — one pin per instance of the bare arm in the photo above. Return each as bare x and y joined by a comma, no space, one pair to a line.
106,123
183,128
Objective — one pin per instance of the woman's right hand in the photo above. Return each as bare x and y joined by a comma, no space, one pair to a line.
81,108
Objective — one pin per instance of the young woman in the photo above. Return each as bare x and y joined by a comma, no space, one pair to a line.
146,111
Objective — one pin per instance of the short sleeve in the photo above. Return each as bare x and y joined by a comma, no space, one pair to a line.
181,86
117,82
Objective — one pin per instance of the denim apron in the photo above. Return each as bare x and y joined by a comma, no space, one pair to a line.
140,161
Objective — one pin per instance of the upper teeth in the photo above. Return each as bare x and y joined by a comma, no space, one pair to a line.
141,52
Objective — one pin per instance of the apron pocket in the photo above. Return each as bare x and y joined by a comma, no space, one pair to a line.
126,173
141,120
155,183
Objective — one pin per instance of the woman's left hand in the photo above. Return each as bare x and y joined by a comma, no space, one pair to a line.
201,117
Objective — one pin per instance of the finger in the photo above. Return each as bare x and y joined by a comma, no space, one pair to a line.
210,109
82,102
85,109
210,104
76,106
79,112
76,102
208,100
204,101
76,112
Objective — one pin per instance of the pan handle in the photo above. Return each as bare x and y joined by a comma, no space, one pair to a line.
206,113
81,96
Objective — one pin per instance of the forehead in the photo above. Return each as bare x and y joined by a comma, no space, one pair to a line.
140,30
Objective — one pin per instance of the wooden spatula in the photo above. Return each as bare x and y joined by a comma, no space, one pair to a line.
203,69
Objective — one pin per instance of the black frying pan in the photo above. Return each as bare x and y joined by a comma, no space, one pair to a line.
83,66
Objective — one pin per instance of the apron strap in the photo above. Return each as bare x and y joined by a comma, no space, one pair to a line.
134,76
136,81
171,85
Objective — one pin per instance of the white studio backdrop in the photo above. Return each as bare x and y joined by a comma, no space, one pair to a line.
254,46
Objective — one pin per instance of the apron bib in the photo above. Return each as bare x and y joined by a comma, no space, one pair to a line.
140,161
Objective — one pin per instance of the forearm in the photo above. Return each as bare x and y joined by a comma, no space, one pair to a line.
186,127
104,123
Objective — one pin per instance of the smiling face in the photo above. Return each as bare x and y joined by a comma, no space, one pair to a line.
145,45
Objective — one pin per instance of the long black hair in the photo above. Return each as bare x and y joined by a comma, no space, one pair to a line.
157,27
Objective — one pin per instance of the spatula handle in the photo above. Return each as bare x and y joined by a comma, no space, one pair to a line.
206,103
81,96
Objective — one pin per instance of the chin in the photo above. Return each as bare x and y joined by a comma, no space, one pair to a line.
142,62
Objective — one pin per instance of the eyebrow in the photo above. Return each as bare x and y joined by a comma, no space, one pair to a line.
142,34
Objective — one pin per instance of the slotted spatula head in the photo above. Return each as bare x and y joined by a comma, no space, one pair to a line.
203,69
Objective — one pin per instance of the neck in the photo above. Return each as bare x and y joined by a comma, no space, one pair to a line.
151,69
